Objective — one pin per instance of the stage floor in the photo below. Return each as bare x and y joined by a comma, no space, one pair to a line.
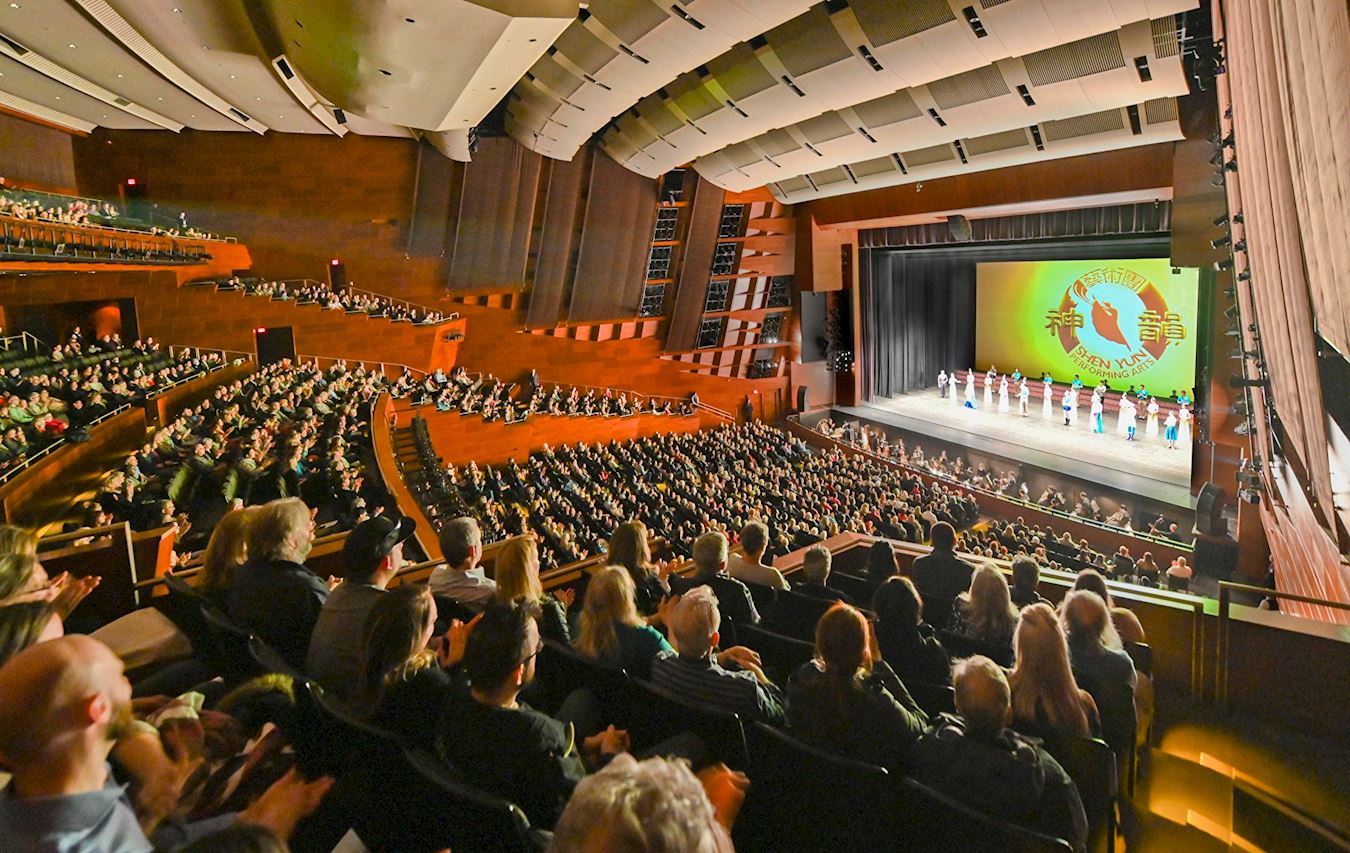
1144,467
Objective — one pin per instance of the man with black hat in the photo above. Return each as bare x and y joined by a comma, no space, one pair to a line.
373,554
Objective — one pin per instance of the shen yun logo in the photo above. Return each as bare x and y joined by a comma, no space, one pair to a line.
1114,323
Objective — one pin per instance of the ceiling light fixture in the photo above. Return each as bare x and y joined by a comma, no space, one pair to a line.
71,45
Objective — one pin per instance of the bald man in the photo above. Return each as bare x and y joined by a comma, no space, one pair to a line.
974,757
63,705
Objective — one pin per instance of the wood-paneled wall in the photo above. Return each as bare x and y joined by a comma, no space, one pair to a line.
35,155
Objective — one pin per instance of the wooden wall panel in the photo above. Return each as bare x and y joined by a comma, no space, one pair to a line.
459,439
37,156
695,266
496,211
297,200
557,242
612,261
437,176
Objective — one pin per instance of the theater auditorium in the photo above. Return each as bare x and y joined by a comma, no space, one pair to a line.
674,425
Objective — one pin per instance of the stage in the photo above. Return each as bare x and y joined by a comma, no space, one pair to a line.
1144,467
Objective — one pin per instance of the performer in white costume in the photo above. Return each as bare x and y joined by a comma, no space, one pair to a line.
1073,412
953,394
1128,411
970,388
1151,428
1170,430
1121,419
1184,418
1023,398
1047,397
1066,403
1003,395
1097,409
942,383
988,392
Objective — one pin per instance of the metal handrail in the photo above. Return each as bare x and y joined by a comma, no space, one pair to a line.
230,355
23,338
318,361
1226,590
65,200
613,391
1059,513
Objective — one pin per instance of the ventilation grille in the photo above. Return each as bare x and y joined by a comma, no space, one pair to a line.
867,168
1160,110
1166,36
1084,125
989,4
925,156
824,127
808,42
885,21
19,50
740,72
1081,58
1015,138
880,112
981,84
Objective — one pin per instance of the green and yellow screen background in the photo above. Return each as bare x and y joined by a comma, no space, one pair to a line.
1022,306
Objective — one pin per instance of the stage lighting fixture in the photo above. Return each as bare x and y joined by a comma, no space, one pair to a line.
1244,428
1217,180
1237,218
1240,246
1223,264
1231,312
1230,292
1229,141
1217,157
1232,332
1221,241
1245,275
1231,165
1240,409
1221,220
1244,382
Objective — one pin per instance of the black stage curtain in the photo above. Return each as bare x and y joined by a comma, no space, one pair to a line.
918,318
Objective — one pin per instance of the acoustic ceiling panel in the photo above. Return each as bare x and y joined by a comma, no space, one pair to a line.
926,42
935,162
970,105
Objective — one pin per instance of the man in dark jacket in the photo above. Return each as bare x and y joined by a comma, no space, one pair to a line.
816,573
941,576
710,563
974,757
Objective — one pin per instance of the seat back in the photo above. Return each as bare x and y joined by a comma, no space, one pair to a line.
562,669
933,698
961,646
655,715
805,799
780,655
764,596
795,615
269,660
463,818
331,739
1091,765
858,589
940,824
1142,655
231,658
1115,704
185,610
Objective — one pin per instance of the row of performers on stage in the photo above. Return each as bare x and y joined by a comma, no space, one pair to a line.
1175,427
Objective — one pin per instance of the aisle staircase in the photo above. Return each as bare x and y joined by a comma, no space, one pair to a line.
405,451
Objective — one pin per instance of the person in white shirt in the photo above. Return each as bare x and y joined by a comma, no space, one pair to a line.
970,388
1151,427
1047,397
988,391
1003,395
1184,418
750,568
942,383
1023,398
461,578
1097,408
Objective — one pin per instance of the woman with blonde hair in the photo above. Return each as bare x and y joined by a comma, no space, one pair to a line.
1045,697
226,551
516,572
628,549
985,612
611,630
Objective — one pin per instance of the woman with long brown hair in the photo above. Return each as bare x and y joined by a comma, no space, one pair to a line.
402,669
629,549
1045,696
226,551
847,700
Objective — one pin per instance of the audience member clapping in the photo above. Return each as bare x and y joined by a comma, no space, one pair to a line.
612,631
907,642
1045,697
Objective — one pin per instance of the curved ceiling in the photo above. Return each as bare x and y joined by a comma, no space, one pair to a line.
810,99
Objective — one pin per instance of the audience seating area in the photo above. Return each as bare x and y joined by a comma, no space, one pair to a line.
311,292
56,395
87,212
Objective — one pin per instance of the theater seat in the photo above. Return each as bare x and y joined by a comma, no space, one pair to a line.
936,823
795,615
655,715
780,655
